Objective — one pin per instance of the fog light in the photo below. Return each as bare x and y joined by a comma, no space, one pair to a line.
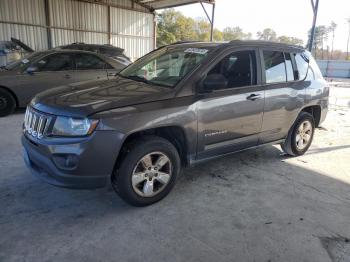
66,161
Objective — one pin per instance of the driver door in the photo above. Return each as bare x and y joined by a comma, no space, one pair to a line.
48,72
230,118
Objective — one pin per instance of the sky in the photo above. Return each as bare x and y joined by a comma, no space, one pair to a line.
286,17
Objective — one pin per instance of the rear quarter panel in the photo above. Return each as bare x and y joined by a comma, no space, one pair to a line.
317,93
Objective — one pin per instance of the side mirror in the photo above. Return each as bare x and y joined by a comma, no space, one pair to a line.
31,69
213,82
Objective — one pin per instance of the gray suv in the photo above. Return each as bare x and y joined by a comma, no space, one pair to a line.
177,106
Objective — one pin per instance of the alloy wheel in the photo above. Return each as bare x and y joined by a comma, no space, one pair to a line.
151,174
303,135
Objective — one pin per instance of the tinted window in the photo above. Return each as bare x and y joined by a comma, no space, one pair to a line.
55,62
88,62
275,70
315,68
310,75
238,68
289,67
302,65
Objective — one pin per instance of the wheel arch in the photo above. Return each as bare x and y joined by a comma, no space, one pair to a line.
173,133
315,111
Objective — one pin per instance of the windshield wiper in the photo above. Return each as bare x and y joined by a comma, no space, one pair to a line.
142,79
138,78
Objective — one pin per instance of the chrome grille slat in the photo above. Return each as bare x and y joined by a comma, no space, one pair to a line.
36,123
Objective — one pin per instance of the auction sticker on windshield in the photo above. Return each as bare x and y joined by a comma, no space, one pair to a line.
196,51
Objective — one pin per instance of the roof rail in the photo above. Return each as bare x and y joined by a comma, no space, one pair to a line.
265,42
184,42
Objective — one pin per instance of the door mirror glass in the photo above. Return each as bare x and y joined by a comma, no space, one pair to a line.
32,69
214,82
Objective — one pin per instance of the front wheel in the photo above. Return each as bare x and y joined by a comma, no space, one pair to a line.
7,103
147,172
300,135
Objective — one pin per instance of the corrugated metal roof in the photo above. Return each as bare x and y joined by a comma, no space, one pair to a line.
160,4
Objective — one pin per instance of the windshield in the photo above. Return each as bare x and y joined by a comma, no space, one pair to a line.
22,63
166,66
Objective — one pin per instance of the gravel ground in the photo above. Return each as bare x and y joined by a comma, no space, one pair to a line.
256,205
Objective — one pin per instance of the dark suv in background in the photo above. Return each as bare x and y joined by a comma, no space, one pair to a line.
176,106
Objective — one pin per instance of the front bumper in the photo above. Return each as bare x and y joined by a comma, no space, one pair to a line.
73,162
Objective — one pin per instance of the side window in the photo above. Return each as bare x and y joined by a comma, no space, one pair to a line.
310,74
302,65
289,67
275,70
55,62
89,62
239,68
316,70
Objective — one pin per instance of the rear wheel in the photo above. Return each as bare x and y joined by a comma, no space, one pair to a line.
147,172
7,103
300,135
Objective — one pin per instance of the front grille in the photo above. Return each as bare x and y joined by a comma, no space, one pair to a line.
36,123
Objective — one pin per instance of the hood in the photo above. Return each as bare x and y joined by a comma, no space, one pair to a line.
86,98
22,45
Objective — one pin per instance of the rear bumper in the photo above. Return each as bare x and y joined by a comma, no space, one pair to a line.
84,163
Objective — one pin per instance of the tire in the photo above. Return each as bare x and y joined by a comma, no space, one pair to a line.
7,103
305,124
138,179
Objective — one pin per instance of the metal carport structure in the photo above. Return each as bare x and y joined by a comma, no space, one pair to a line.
43,24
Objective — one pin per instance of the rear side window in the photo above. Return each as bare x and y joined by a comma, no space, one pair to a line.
310,75
239,68
302,65
89,62
275,70
316,70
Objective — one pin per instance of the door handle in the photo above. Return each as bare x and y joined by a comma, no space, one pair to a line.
253,97
67,76
111,73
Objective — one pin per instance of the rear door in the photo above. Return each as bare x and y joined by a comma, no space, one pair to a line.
229,119
89,67
284,94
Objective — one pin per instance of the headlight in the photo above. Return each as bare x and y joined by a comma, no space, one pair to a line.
68,126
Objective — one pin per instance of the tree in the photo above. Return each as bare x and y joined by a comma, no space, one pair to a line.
174,26
217,35
267,34
332,28
290,40
234,33
202,29
321,36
